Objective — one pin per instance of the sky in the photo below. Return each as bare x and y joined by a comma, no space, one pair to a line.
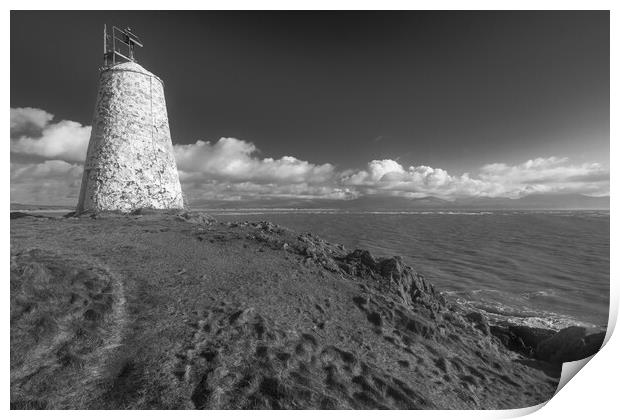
336,105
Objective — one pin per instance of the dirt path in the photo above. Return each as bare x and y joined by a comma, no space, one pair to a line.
68,318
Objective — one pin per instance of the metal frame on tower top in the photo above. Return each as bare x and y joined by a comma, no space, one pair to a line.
119,44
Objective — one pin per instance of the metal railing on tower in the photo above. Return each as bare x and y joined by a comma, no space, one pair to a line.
119,45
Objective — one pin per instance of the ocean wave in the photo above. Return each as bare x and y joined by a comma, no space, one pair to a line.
517,314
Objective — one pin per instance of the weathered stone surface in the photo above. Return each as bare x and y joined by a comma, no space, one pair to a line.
393,273
479,320
130,161
569,344
520,338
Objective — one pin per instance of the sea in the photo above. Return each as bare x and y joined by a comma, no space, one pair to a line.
547,269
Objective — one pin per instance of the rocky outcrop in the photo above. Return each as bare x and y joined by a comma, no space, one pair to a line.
19,215
480,321
392,273
197,218
569,344
519,338
392,277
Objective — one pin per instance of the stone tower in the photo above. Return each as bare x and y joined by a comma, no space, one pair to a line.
130,161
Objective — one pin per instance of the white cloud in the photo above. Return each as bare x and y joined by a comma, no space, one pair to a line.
542,170
28,119
235,160
232,169
49,182
52,151
34,133
541,175
221,190
547,175
388,176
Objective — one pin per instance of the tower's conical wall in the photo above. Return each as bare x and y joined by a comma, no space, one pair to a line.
130,161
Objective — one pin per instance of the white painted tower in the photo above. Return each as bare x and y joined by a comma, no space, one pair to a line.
130,160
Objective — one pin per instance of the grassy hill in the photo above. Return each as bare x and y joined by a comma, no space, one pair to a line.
176,311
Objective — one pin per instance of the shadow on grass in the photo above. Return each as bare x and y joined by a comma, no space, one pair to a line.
553,370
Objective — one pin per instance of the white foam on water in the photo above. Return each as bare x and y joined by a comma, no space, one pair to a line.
501,312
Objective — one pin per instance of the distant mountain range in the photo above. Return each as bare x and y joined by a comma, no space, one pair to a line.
541,202
374,203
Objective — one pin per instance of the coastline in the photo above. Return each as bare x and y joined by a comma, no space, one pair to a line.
384,323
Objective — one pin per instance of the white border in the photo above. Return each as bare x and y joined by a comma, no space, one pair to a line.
592,394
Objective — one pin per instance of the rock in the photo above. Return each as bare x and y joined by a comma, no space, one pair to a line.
309,251
479,320
393,273
510,340
411,286
198,218
520,338
142,212
531,336
268,227
330,264
359,262
19,215
569,344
